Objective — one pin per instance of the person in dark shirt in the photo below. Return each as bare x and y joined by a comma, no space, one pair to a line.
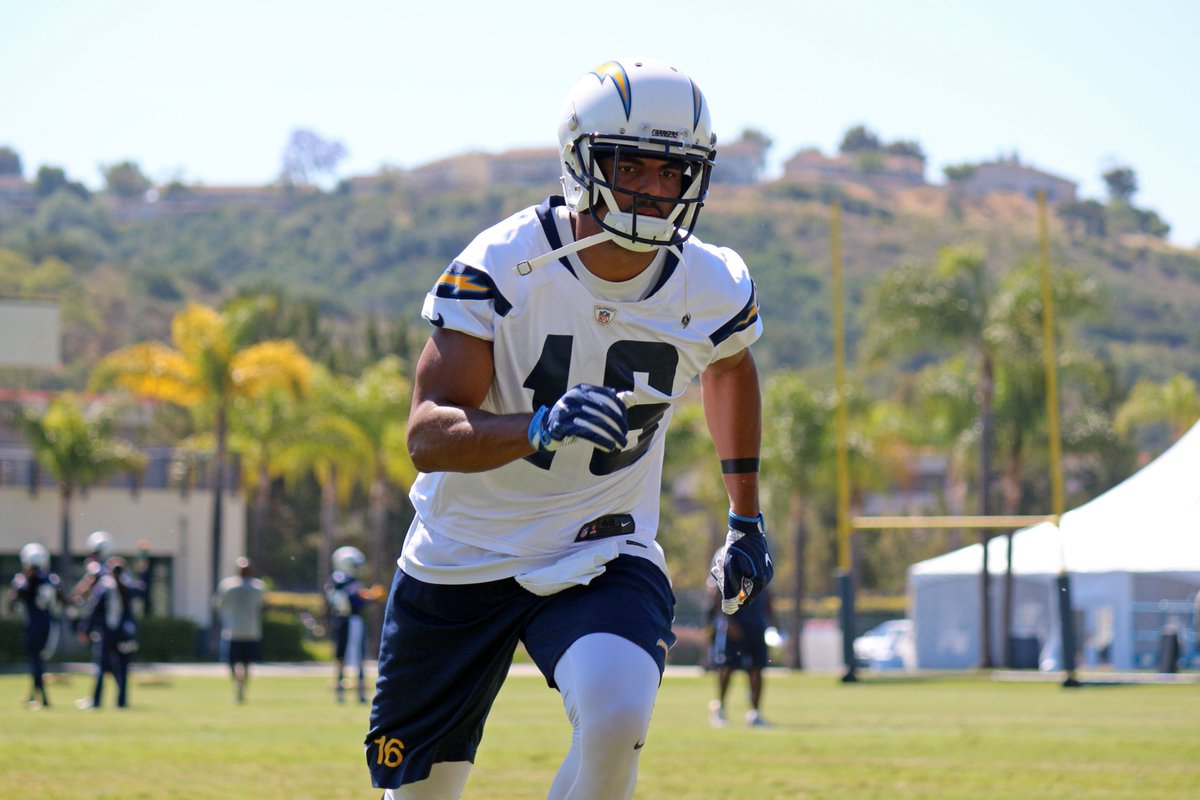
739,643
37,593
346,599
110,624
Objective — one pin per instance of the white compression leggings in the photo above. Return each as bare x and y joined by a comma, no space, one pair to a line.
608,686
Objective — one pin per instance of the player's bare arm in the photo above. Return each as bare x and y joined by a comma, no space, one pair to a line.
447,431
733,411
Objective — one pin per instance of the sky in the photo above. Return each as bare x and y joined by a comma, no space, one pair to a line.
210,92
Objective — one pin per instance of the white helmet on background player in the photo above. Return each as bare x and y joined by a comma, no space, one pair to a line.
100,545
348,559
35,555
635,107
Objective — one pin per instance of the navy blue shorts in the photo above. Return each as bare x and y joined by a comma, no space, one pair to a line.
739,646
244,651
446,650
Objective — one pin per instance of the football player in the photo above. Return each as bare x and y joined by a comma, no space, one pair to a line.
110,624
346,599
563,339
739,642
36,593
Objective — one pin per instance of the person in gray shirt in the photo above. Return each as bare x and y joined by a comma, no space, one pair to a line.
239,602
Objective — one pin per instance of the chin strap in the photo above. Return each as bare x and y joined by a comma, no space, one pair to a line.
526,267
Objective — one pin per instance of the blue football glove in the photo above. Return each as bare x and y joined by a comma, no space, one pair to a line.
593,413
743,567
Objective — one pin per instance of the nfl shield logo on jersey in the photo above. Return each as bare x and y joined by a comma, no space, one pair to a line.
604,314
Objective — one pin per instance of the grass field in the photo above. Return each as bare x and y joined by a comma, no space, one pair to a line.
960,737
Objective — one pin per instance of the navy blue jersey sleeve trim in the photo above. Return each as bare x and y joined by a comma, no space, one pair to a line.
462,282
742,320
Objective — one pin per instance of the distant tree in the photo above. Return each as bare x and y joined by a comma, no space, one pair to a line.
946,305
53,179
211,364
377,404
1086,218
762,144
308,155
14,266
956,173
859,139
10,162
1175,402
79,447
176,190
1121,182
1123,217
798,421
758,137
327,444
125,180
869,162
905,147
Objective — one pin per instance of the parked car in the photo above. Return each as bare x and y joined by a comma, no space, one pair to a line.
889,645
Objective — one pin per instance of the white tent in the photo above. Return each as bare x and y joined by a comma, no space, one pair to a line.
1127,551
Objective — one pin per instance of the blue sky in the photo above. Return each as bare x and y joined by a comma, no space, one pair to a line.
209,92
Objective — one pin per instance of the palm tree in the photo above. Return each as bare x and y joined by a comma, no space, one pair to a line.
378,405
79,449
1175,402
1016,333
947,307
209,366
329,446
798,439
993,328
799,442
259,429
690,469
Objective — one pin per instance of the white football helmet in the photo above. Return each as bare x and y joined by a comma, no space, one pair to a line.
636,107
100,545
348,559
35,555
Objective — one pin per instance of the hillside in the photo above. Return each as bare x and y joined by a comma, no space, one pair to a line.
121,271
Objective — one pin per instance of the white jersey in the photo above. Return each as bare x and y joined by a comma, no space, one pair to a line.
551,331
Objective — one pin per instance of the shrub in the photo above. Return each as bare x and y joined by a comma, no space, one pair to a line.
283,638
12,648
167,639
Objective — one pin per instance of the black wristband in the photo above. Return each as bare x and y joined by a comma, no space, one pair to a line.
731,466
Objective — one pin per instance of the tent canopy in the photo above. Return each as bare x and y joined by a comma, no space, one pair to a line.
1149,522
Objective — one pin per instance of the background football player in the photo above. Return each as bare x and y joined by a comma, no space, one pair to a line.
36,594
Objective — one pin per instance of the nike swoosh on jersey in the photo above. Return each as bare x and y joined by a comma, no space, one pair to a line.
437,321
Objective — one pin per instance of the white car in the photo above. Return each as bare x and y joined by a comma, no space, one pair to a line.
889,645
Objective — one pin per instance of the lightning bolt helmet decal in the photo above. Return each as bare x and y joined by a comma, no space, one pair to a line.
620,79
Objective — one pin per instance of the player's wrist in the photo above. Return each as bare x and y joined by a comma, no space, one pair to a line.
536,434
747,525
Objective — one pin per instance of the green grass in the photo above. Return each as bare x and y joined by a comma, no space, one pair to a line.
947,737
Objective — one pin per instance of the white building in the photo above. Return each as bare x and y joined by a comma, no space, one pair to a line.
168,507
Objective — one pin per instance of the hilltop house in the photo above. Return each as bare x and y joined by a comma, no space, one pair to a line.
874,168
1010,175
739,162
